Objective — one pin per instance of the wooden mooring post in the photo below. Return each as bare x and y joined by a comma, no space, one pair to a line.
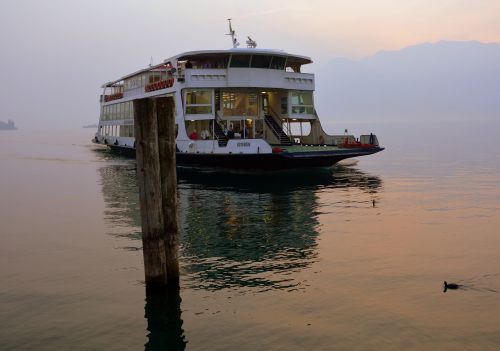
157,178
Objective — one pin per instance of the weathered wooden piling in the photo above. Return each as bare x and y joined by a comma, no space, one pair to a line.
168,173
156,175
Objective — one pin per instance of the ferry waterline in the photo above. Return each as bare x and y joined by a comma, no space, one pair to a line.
241,108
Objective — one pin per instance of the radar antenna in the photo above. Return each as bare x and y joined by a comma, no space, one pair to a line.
251,43
232,33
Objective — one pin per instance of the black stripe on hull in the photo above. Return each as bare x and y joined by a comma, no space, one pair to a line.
275,161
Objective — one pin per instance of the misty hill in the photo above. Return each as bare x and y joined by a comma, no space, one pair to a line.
445,80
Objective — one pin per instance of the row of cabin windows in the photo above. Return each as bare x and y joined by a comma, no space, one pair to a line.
118,130
244,104
241,61
120,111
258,61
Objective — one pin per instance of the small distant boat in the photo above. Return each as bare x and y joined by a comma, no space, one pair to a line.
9,125
241,108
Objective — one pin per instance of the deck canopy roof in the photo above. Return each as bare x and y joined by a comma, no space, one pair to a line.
293,59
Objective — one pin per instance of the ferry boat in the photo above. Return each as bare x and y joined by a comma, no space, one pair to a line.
240,108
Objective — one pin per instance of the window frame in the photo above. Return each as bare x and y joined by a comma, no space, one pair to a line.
199,115
291,105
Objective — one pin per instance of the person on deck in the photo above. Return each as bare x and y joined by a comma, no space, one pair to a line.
230,132
244,132
193,135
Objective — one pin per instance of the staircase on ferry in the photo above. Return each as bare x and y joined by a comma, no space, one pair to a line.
219,133
277,130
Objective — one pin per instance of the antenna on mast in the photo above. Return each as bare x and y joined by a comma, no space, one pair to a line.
232,33
252,44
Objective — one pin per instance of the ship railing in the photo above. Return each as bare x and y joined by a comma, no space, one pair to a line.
161,84
276,118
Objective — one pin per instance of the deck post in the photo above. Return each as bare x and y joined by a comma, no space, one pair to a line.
154,204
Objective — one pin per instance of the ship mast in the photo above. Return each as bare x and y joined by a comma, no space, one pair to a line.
232,33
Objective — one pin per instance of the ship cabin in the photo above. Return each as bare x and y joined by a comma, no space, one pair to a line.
222,96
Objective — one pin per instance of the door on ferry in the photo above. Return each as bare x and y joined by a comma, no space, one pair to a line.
265,103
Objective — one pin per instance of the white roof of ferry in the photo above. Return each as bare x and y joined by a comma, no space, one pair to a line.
305,59
302,59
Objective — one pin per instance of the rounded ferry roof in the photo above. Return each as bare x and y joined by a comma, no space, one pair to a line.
249,51
299,58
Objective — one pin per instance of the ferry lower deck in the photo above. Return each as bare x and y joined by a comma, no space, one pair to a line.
283,157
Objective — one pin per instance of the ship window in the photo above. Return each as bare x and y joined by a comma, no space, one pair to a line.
125,110
198,110
284,105
302,102
240,61
198,97
260,61
154,77
200,130
131,110
239,104
300,128
278,62
199,102
127,130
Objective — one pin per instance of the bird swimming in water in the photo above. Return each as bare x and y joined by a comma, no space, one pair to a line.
452,286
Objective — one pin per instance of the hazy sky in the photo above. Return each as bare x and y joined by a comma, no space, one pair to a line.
55,54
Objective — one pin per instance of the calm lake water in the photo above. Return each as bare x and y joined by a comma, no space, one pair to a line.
287,261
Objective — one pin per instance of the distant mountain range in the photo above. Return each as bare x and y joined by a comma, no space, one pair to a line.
440,81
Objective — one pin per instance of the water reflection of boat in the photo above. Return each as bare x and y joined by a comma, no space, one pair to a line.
245,231
277,182
254,230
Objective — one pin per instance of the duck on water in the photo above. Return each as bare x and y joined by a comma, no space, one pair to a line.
451,286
